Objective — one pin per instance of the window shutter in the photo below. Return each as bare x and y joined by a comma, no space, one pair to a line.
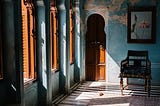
25,42
31,45
51,39
55,41
71,37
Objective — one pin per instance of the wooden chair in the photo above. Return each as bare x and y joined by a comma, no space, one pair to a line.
136,65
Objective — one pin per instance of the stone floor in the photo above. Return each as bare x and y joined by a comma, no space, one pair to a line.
100,94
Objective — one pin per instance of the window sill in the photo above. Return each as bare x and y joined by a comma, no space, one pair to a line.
71,62
54,71
28,82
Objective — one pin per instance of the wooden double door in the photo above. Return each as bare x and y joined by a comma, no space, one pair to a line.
95,48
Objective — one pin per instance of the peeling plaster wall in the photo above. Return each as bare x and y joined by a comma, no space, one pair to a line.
115,14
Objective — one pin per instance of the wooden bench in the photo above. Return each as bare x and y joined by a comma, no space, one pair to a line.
136,65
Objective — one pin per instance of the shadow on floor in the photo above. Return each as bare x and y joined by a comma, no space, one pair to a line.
98,93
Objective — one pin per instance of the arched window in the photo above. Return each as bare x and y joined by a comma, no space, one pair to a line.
72,36
54,36
29,41
1,62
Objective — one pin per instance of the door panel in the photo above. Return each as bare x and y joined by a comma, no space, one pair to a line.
102,54
101,63
95,48
91,74
101,69
90,62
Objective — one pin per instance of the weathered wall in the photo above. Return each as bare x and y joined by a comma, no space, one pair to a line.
115,15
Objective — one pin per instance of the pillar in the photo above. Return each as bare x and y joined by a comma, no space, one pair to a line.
63,33
76,11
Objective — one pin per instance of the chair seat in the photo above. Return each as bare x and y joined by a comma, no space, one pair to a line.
136,65
135,71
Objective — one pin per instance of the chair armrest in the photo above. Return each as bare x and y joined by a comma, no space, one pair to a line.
124,63
148,66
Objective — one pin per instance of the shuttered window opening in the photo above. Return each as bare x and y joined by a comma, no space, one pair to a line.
72,37
1,62
29,43
54,39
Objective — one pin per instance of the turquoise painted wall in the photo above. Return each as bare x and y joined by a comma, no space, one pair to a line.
55,84
115,15
30,95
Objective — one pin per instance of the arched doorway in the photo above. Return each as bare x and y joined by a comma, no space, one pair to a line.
95,48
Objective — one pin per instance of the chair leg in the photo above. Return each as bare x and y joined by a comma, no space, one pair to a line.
121,85
148,86
127,83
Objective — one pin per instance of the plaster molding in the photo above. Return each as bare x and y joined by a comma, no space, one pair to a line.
28,4
93,7
155,66
76,3
40,3
52,3
61,5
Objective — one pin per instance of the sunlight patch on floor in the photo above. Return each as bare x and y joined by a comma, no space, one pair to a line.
98,94
123,104
102,94
97,84
86,95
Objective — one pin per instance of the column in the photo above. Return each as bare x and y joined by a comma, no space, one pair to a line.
63,33
76,11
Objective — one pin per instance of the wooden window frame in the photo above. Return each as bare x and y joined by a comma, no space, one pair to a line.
1,56
54,47
29,42
72,36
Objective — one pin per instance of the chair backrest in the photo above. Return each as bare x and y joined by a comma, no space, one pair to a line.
137,58
137,53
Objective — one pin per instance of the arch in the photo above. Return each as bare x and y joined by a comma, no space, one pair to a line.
95,48
93,15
